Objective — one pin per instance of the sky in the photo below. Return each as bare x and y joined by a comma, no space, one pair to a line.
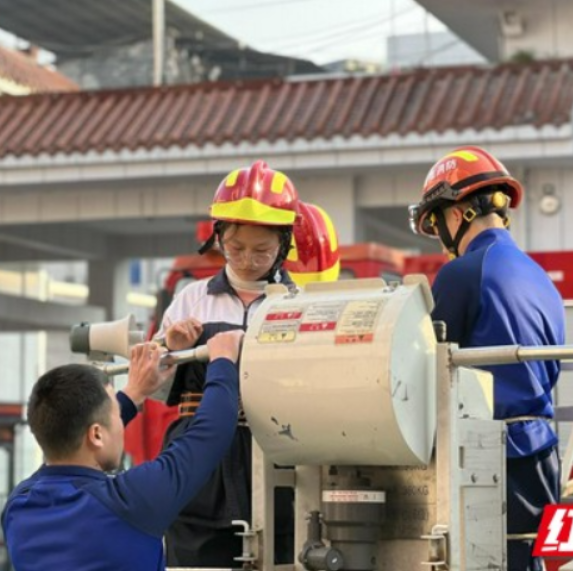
319,30
322,31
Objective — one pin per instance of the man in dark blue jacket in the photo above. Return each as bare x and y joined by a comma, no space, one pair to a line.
70,514
491,293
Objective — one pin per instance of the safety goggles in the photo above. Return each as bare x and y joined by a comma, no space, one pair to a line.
422,216
252,259
427,227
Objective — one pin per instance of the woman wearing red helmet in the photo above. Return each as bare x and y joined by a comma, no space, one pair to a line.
256,212
491,293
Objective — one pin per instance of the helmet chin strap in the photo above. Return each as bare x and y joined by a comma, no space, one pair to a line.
210,242
274,273
452,244
480,205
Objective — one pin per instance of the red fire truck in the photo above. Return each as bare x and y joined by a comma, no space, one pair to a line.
558,265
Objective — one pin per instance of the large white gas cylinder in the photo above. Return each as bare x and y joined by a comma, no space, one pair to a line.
343,373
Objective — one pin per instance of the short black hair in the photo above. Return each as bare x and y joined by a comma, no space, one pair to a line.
63,404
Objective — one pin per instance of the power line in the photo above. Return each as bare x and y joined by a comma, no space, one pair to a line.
373,34
257,5
319,35
314,36
429,53
348,35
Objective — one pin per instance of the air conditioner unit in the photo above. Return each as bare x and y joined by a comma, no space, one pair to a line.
512,23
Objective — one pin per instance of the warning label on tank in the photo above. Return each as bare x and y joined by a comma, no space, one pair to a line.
321,317
358,321
280,324
283,315
354,496
281,332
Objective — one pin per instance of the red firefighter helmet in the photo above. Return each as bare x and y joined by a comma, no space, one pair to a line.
314,255
456,176
256,195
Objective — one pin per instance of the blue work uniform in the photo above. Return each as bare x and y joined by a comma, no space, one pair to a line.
495,294
73,517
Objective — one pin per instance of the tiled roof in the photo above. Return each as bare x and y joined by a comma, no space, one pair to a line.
421,101
22,71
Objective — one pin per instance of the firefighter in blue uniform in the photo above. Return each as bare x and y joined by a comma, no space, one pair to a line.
70,514
491,293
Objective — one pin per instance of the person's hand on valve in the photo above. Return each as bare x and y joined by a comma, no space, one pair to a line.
146,373
183,334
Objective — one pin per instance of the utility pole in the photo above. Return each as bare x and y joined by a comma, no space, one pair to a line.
158,16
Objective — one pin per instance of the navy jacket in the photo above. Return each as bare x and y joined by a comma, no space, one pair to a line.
495,294
70,517
227,494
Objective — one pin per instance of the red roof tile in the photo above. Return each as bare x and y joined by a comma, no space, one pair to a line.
25,72
421,101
